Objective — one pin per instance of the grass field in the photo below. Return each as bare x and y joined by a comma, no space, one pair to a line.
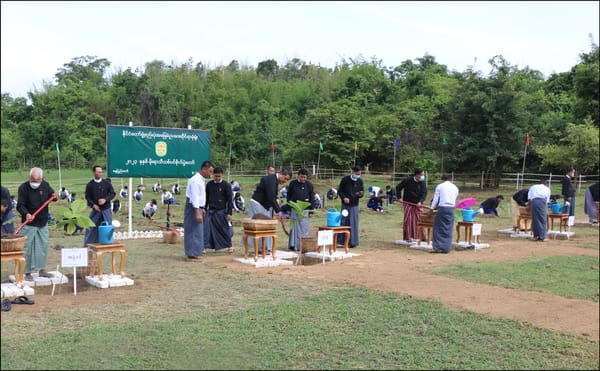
203,316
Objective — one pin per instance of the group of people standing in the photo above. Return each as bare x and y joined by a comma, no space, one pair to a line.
207,213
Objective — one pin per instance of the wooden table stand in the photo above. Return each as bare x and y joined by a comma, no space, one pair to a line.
563,221
468,232
255,236
345,230
100,249
427,227
19,259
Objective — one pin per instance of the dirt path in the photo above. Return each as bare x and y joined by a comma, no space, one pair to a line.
387,267
398,269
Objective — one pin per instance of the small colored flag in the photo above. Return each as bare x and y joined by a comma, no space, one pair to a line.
396,143
320,146
272,147
356,146
57,150
444,141
527,140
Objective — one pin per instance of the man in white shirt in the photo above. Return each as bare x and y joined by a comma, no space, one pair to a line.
166,197
444,199
195,211
539,196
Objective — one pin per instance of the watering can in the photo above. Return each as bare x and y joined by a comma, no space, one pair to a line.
105,233
555,206
468,214
334,217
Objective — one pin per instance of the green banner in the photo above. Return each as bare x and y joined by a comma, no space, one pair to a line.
139,151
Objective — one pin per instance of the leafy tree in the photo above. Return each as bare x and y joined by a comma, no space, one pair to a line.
580,147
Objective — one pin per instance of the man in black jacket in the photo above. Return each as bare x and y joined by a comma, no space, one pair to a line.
518,200
264,200
568,191
415,193
98,193
350,191
300,189
32,196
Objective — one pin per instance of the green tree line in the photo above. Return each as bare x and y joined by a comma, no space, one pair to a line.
461,121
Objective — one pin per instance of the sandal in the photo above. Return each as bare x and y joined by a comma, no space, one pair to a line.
6,305
22,300
230,250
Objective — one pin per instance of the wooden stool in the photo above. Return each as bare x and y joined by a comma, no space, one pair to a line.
468,232
256,235
100,249
427,227
563,221
525,217
345,229
19,259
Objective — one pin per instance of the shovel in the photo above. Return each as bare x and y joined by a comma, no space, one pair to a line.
52,198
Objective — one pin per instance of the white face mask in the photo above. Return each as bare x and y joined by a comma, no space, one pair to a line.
422,178
35,185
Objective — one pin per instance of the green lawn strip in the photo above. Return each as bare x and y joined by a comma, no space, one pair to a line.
341,328
574,277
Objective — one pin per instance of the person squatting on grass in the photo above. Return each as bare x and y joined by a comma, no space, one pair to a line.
32,195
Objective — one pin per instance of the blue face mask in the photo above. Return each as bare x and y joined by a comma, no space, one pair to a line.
355,177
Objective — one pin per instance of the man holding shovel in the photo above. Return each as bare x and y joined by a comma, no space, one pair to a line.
32,204
415,192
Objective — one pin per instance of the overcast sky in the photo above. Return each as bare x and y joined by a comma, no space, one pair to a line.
38,38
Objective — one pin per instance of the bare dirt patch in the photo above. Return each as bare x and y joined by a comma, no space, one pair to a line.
385,266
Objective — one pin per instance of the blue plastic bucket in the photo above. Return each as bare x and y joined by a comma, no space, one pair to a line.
555,208
105,233
468,214
334,217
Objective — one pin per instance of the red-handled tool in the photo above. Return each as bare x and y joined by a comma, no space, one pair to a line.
52,198
413,204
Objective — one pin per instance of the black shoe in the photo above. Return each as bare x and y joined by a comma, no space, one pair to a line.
434,251
292,248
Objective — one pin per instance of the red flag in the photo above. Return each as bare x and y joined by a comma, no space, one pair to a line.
527,140
272,147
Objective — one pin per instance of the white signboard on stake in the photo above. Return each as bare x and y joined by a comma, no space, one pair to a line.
75,257
476,229
324,238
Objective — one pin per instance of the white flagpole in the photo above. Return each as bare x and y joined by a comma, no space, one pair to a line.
524,156
229,167
59,174
319,160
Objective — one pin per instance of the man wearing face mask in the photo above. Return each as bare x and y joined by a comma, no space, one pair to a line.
300,189
98,193
415,192
351,189
32,195
568,191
